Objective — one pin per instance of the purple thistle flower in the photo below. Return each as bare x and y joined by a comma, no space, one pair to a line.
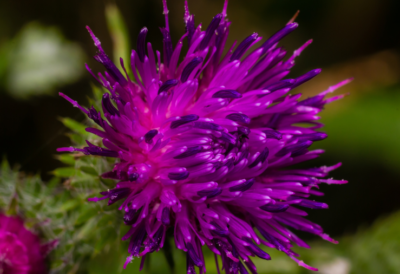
203,145
20,249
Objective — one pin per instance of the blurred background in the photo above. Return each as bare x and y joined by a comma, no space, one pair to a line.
44,46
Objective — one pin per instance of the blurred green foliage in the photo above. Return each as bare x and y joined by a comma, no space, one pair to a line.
62,212
367,127
39,60
119,34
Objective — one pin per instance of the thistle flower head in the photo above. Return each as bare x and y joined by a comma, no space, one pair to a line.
203,145
20,249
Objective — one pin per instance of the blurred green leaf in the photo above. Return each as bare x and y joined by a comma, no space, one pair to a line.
65,172
368,128
68,205
167,250
377,249
66,159
119,34
87,228
75,126
86,214
89,170
39,60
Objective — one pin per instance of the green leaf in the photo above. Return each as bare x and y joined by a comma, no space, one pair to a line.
66,159
88,212
65,172
71,204
167,251
98,95
89,170
87,229
12,207
77,139
75,126
5,167
119,34
108,182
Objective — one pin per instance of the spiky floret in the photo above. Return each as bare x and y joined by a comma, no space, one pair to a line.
203,145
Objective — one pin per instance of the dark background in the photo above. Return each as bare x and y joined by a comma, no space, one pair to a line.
358,38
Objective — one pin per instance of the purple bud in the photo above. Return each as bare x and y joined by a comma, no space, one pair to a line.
242,269
243,186
273,122
116,175
210,31
256,250
315,101
190,28
260,158
154,244
167,46
230,162
141,44
108,106
227,94
272,240
184,120
299,152
280,85
130,217
243,131
95,150
190,67
116,194
306,77
220,245
102,58
189,265
220,39
309,181
318,136
279,35
234,251
165,216
136,242
177,176
275,208
243,155
192,254
95,116
217,165
189,152
227,138
219,231
273,134
208,125
293,148
242,48
133,177
239,117
148,137
210,193
168,85
312,204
